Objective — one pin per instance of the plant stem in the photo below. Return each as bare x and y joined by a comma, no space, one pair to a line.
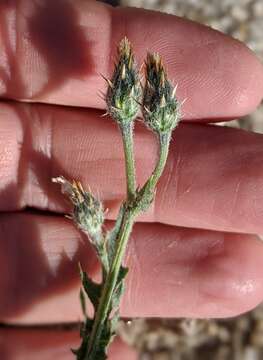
164,141
102,313
110,283
127,138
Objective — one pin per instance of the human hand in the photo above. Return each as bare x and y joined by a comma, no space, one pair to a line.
190,262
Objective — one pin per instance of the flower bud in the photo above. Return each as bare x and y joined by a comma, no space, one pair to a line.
160,107
124,89
88,213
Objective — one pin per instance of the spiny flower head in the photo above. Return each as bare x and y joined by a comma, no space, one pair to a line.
88,213
124,89
160,107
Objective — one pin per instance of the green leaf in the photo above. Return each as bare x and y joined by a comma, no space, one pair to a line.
103,257
100,352
99,355
112,236
83,302
119,288
85,331
81,351
92,289
108,334
86,328
144,196
114,322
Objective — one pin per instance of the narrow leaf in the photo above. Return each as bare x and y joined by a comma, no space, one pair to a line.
119,288
92,289
86,327
83,302
103,257
114,322
100,352
112,236
81,351
85,331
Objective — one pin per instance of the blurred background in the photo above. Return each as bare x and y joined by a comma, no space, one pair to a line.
185,339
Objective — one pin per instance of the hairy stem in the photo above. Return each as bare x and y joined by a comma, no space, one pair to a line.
127,138
102,313
103,310
164,141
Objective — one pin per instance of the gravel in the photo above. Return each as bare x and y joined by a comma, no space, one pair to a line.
243,19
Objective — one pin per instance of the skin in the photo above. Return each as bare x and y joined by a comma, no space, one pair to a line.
197,259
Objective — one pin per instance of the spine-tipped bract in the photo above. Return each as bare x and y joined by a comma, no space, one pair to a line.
124,89
160,107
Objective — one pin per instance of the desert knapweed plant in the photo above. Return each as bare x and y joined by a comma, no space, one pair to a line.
160,109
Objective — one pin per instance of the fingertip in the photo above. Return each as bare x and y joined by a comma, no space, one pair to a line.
231,284
245,84
218,75
193,273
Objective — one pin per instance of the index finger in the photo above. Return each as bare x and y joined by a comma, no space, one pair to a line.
47,342
54,52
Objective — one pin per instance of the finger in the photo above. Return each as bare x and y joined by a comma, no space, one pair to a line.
53,52
173,272
45,344
213,177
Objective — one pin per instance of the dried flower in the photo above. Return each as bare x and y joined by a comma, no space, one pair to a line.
88,213
160,107
124,89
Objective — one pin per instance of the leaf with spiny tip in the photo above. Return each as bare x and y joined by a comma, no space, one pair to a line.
92,289
82,350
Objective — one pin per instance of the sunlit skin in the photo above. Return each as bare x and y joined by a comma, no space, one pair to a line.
197,259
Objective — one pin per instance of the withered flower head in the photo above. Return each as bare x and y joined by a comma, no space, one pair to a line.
160,107
88,213
124,89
